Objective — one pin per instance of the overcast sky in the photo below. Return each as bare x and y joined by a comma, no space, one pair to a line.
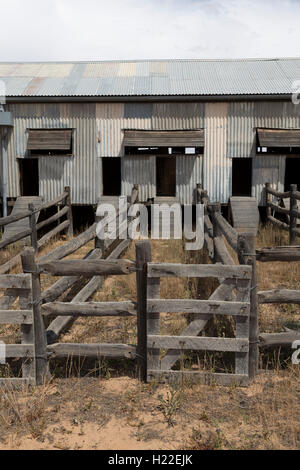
37,30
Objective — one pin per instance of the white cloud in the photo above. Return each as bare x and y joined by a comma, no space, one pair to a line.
154,29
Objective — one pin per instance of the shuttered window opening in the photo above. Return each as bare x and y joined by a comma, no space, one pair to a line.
49,141
182,138
280,141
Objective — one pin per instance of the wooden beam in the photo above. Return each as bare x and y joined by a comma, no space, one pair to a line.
16,317
15,281
198,270
283,340
212,307
198,343
91,309
279,253
87,267
61,350
143,256
54,217
279,296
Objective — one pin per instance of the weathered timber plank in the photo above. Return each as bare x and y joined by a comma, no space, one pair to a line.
91,309
87,267
198,343
284,340
203,378
279,296
279,253
92,350
19,350
16,317
198,306
221,253
198,270
15,281
46,238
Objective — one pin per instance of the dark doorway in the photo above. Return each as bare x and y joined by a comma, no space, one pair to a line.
241,176
165,176
292,172
29,176
111,170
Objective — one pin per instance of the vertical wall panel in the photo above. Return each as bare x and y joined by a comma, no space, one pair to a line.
139,170
217,167
188,175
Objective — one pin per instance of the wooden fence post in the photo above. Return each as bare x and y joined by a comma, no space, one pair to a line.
217,233
199,194
143,256
69,214
41,363
246,254
32,223
293,219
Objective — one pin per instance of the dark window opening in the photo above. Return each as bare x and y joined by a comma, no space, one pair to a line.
50,142
29,176
111,171
241,176
279,150
165,176
163,150
292,173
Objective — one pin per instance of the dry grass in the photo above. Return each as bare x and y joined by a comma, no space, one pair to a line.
96,413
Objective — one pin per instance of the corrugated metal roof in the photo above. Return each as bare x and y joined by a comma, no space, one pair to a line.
151,78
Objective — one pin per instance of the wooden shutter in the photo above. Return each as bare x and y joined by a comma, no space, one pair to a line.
49,139
185,138
278,137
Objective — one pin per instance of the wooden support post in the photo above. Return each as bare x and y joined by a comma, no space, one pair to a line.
268,199
215,208
41,363
99,242
143,256
199,194
69,215
246,254
293,219
32,223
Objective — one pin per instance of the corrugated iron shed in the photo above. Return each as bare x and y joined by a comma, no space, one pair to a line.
151,78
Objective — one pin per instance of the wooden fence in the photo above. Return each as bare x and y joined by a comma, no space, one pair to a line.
65,211
217,230
38,305
287,206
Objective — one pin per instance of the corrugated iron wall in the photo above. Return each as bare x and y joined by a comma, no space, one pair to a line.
80,171
229,133
217,165
267,169
244,118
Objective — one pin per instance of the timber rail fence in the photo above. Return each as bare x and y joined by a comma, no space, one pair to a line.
237,296
63,201
292,212
217,230
38,343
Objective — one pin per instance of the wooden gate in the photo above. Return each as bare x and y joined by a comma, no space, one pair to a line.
235,284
